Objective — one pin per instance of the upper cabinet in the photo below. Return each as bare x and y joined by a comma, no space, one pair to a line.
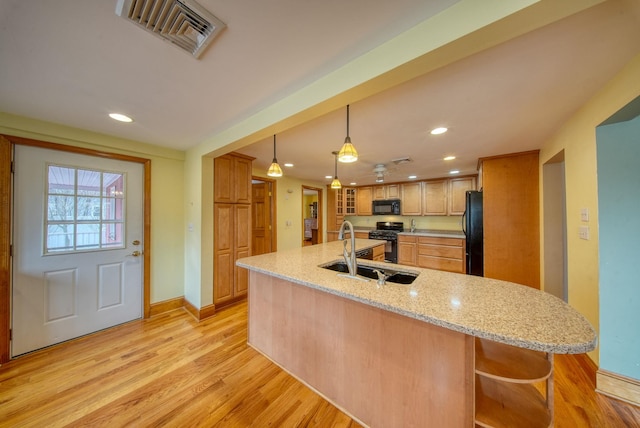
411,198
434,197
387,191
457,193
232,179
364,199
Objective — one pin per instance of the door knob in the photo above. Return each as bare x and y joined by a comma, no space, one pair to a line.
135,253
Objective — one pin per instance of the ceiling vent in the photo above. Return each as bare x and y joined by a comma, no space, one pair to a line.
184,23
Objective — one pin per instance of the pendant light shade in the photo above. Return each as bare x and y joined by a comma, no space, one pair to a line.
348,152
274,169
335,184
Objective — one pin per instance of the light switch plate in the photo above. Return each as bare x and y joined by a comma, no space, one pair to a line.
584,214
583,232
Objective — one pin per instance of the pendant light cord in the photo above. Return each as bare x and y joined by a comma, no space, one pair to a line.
347,120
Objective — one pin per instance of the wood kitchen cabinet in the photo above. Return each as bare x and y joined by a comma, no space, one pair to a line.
232,227
438,253
232,179
434,197
340,202
511,218
432,252
411,198
335,210
407,250
387,191
457,194
349,200
364,199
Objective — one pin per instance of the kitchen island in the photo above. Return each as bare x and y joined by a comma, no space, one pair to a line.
447,350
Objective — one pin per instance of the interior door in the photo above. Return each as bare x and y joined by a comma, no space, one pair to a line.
78,228
261,229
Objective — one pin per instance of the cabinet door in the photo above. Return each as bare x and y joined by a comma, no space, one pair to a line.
232,179
392,191
407,250
411,199
223,263
242,228
379,193
349,201
242,180
363,205
457,190
223,189
434,195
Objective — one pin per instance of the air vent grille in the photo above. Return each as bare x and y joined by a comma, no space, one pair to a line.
184,23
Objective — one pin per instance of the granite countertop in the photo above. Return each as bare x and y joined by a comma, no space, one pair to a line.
487,308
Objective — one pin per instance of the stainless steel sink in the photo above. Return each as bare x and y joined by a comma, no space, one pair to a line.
390,275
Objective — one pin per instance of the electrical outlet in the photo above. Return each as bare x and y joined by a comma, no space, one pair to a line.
583,232
584,214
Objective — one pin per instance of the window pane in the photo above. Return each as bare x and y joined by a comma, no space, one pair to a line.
60,208
88,236
60,237
61,180
112,235
88,208
113,185
89,182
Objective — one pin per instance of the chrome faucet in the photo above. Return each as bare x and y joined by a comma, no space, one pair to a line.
349,256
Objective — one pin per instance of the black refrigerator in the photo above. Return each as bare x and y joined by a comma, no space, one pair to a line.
472,228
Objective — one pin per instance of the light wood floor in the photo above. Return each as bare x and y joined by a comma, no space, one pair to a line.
171,371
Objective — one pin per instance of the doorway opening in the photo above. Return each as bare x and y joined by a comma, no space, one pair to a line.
555,227
311,215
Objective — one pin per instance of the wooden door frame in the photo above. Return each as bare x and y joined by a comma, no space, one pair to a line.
7,142
320,210
273,202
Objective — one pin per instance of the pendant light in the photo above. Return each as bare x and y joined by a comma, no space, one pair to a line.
335,184
347,153
274,169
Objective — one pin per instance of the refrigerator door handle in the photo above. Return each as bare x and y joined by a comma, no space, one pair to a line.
464,222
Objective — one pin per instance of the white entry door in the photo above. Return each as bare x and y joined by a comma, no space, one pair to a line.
77,243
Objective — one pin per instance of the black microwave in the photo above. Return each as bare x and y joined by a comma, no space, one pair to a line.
386,207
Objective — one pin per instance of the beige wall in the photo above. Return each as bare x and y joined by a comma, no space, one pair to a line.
167,187
577,138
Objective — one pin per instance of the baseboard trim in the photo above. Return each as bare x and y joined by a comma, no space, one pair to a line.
166,306
202,313
617,386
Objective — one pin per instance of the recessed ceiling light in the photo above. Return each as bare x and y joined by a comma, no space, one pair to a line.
288,165
412,177
437,131
120,117
328,176
353,183
449,158
454,171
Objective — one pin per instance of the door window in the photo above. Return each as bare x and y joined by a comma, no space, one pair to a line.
85,209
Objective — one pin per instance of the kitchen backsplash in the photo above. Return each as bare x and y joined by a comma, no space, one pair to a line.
422,222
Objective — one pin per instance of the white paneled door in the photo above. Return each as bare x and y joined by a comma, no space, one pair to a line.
77,246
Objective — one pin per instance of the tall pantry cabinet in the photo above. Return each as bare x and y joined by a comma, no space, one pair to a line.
231,226
511,218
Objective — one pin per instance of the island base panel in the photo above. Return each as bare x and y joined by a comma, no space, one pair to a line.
382,368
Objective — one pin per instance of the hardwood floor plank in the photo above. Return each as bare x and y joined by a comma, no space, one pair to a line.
171,371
